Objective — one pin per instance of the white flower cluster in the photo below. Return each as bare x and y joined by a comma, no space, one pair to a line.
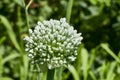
53,42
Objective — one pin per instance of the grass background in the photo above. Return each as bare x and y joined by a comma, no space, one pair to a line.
99,53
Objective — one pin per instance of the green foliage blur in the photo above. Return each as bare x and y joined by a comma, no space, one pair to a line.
97,20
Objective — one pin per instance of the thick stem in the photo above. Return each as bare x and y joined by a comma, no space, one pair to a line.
50,74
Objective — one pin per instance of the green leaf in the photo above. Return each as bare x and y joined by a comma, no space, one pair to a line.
108,2
84,57
92,57
74,72
92,75
2,40
6,78
1,65
78,60
10,31
10,57
69,9
109,51
94,2
111,74
102,70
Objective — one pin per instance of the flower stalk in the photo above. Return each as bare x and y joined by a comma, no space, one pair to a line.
52,44
50,74
68,15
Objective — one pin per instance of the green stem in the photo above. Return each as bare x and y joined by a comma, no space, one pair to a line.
38,68
69,9
50,74
26,11
59,73
39,75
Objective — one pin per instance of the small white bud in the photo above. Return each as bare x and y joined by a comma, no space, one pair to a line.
50,66
31,51
30,55
30,31
26,49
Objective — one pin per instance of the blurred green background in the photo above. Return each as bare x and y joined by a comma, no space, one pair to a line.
97,20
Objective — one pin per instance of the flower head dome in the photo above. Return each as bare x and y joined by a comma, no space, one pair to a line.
53,42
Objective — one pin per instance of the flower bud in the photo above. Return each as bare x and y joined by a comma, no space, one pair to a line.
53,43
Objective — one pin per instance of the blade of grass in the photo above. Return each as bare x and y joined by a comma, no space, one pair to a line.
19,25
109,51
74,72
110,74
84,57
6,78
102,70
92,56
78,60
92,75
69,9
2,39
1,66
10,32
10,57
